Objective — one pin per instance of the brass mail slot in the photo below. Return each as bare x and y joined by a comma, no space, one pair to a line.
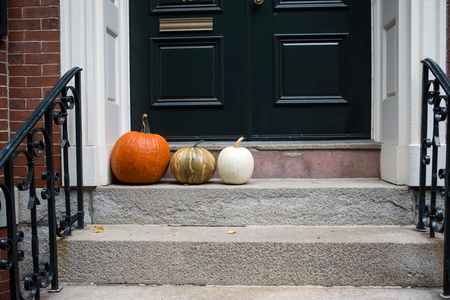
192,24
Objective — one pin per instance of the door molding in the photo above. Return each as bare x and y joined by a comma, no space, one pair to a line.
404,33
94,36
420,34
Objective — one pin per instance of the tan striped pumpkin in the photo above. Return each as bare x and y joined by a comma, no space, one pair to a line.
192,165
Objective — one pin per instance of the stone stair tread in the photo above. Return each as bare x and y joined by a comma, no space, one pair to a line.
259,202
253,255
268,183
100,292
257,234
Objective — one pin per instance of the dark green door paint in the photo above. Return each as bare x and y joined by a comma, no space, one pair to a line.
280,70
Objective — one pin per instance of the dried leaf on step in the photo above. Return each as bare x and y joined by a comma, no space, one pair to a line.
98,229
231,232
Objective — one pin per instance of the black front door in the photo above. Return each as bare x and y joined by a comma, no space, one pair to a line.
219,69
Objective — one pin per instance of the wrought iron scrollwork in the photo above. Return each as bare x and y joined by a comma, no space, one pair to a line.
39,143
435,94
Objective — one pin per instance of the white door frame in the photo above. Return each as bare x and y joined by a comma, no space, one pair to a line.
404,33
95,35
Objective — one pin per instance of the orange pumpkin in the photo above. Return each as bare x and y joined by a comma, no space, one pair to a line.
140,157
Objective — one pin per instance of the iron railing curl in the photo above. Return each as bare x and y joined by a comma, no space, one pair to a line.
435,93
39,145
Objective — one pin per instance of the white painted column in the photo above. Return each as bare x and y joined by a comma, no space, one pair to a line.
404,33
94,36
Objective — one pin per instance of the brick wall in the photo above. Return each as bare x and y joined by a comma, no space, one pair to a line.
29,68
4,274
33,50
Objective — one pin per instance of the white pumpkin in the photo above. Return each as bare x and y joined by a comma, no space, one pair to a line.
235,165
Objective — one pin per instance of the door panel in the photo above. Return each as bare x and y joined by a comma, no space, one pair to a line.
286,69
178,81
189,78
176,6
293,55
311,70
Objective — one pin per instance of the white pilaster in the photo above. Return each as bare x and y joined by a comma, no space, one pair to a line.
94,36
404,33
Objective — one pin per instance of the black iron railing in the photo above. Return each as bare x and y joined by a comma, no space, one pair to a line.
435,93
39,145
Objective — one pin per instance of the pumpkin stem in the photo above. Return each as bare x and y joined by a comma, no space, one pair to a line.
145,125
198,143
238,142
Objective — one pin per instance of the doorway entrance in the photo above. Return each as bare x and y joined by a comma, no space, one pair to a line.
272,69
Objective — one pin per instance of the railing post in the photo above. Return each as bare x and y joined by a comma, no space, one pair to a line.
430,215
424,158
79,152
13,249
446,279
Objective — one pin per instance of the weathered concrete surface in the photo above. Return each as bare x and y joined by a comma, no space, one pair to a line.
259,202
93,292
60,205
254,255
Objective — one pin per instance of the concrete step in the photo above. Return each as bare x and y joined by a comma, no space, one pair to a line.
253,255
109,292
259,202
304,159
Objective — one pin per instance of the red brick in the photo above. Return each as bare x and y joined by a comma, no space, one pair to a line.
42,81
19,115
25,93
24,47
51,70
42,35
51,47
15,13
42,58
24,70
49,2
4,125
17,104
4,136
17,81
21,24
20,173
3,103
4,286
4,114
40,12
3,80
33,103
16,59
50,24
16,36
23,3
3,91
4,274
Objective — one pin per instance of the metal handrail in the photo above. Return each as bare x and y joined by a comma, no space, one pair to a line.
429,214
39,143
36,115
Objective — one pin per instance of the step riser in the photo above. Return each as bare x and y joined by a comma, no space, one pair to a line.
349,263
261,202
312,164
